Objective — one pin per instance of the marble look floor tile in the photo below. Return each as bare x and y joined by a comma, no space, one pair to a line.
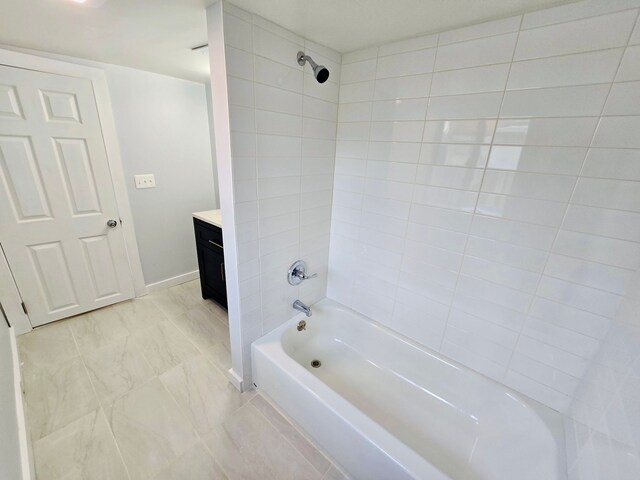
247,446
295,438
220,355
176,300
203,391
56,395
196,464
164,346
84,449
334,474
117,368
139,313
48,344
202,327
150,429
98,328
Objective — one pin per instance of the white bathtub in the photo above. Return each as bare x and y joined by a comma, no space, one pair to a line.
385,408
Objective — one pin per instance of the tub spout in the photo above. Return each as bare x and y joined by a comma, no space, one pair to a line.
298,305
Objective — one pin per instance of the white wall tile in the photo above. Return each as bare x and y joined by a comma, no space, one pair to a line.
356,92
411,63
478,105
622,164
407,152
555,102
618,132
624,99
541,212
600,221
454,155
358,72
615,194
556,160
567,70
595,33
630,66
566,132
396,131
275,74
490,78
472,53
413,86
459,131
400,109
533,185
605,250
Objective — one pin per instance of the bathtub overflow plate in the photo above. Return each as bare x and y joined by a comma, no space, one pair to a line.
316,363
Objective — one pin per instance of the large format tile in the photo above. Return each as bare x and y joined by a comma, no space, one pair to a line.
150,429
248,446
98,328
139,313
56,395
83,449
164,346
292,435
195,464
50,344
117,368
176,300
203,391
202,327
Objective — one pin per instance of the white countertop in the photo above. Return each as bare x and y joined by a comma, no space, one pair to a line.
210,216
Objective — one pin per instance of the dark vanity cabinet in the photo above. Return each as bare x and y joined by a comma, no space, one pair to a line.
211,261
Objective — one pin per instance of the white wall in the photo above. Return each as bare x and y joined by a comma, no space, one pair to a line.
487,185
163,128
10,459
282,138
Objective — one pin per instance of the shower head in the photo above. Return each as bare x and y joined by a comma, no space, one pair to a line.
319,71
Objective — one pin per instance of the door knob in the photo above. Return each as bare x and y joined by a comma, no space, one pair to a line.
112,223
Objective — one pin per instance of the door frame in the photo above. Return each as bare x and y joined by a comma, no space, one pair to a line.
98,80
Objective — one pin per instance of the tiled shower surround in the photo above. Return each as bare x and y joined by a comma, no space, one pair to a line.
486,200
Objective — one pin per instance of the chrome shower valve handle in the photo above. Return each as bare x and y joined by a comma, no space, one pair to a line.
298,272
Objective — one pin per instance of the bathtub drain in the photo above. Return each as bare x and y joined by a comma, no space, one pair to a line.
315,363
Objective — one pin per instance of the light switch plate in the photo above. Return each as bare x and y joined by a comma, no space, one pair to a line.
145,181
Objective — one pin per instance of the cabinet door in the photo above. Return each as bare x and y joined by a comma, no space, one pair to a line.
213,275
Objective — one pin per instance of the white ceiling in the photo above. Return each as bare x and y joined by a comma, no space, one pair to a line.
157,35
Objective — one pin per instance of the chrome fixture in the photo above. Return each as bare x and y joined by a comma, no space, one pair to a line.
112,223
298,272
302,325
319,71
316,363
298,305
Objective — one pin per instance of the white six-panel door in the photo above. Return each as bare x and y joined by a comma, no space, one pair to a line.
57,196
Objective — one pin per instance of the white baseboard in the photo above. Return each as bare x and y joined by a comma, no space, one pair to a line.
173,281
235,379
26,456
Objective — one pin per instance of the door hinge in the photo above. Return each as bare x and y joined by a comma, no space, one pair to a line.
24,309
